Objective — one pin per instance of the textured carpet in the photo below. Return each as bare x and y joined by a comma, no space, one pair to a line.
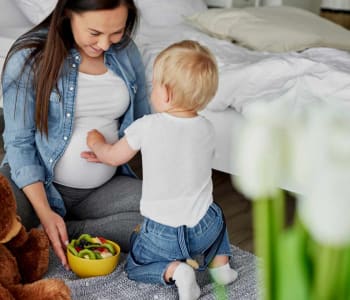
117,286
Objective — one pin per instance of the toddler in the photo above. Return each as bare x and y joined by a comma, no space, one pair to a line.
181,222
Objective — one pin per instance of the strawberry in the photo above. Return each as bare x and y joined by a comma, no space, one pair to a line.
103,240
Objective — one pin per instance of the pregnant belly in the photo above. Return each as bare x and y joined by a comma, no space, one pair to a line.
73,171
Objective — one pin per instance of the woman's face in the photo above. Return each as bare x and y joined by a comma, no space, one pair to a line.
95,31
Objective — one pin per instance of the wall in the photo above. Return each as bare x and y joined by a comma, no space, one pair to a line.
336,4
312,5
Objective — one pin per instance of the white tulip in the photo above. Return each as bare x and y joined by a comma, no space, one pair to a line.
310,148
315,135
325,208
325,204
297,157
328,136
261,155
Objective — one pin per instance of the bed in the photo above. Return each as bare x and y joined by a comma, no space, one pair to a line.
304,60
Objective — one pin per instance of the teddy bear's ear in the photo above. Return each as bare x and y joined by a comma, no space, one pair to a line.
7,207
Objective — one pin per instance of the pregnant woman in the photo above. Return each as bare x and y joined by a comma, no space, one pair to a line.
78,69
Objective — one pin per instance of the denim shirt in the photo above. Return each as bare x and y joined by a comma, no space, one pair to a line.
31,155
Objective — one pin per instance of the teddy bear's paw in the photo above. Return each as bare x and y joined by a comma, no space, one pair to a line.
46,289
5,294
33,256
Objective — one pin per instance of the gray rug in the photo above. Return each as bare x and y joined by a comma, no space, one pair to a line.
117,286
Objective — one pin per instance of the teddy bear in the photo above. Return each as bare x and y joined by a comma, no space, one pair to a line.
24,256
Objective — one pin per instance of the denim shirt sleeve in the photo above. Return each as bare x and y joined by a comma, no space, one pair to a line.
19,114
141,105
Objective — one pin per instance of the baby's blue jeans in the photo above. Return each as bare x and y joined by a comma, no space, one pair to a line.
157,245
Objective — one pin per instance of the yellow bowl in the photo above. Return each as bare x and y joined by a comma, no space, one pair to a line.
94,267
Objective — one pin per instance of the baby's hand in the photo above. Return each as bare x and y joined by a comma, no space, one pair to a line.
94,137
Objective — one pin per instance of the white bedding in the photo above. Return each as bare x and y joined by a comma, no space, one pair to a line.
316,74
227,125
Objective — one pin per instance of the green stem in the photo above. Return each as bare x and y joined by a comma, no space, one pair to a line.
220,292
262,237
343,282
327,264
268,218
278,213
347,268
277,219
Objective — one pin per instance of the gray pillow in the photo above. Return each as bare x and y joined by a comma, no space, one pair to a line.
272,29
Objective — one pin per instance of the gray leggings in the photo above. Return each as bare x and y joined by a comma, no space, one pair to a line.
111,211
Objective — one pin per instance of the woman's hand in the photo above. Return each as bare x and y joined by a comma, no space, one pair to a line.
89,156
53,223
56,230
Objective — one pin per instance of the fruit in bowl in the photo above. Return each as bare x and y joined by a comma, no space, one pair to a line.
92,256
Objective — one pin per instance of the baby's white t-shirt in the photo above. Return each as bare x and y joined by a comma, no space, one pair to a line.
177,158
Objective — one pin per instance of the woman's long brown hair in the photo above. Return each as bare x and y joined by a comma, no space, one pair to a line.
50,48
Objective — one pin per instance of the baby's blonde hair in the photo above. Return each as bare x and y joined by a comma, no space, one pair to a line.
189,72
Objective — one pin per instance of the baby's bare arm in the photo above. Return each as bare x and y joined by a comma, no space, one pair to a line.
115,155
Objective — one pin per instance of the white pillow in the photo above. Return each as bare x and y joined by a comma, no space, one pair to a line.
36,10
273,29
168,13
11,16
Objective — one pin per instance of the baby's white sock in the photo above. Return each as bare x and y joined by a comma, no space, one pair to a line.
185,280
223,274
